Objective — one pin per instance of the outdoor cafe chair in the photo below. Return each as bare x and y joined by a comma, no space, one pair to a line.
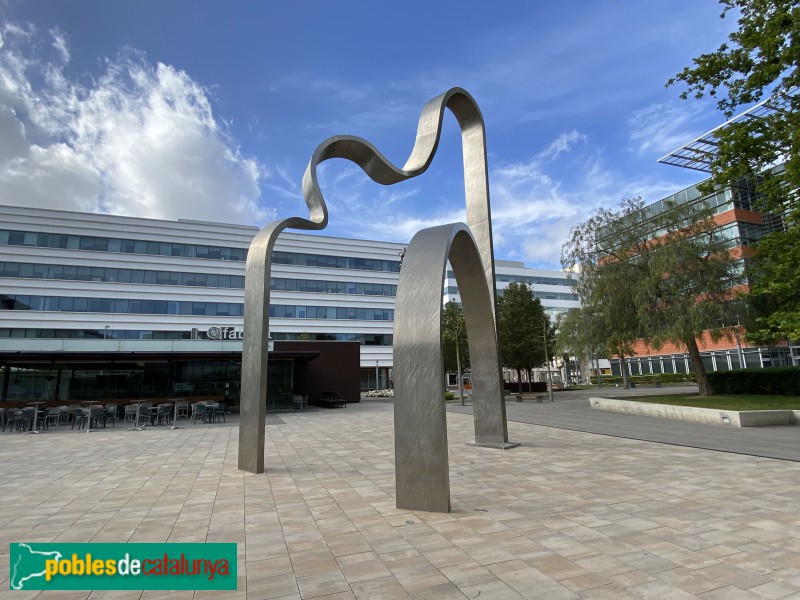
110,414
215,411
97,414
147,414
63,414
211,412
164,413
79,417
130,413
71,411
12,416
54,416
43,420
199,412
26,419
183,408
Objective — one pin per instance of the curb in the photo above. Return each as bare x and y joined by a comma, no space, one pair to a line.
713,416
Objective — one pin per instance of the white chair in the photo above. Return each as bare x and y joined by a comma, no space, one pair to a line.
183,408
54,416
300,402
130,413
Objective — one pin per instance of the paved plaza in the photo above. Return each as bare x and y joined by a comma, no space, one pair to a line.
569,514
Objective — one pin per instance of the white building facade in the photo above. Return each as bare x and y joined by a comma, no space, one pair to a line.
556,289
91,283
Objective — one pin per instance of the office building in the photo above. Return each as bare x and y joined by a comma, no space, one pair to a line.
97,303
741,224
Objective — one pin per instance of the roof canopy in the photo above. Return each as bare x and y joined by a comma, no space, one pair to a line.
701,151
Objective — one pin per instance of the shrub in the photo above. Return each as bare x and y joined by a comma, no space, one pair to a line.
646,379
776,380
448,395
380,393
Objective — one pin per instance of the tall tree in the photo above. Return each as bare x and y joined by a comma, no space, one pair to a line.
663,271
578,334
455,344
521,320
571,336
760,62
775,293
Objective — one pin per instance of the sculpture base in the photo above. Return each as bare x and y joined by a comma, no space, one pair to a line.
497,445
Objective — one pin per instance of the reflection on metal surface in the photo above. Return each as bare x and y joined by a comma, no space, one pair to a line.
421,434
421,459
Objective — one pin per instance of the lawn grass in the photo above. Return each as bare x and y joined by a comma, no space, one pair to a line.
727,402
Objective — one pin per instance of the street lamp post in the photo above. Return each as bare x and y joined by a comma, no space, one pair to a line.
547,360
460,376
377,376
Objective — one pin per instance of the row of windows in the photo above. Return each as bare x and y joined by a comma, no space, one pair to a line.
141,276
279,311
145,334
529,279
453,291
166,307
718,360
366,339
549,295
120,305
745,234
332,287
335,262
114,275
126,246
535,280
96,334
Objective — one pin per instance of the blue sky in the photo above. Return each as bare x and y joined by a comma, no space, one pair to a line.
211,110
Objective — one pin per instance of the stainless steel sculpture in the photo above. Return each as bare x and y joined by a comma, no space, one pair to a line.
420,430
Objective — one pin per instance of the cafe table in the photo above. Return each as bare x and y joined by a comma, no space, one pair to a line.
136,426
35,403
89,421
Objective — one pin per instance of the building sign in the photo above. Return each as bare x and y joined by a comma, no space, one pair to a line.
230,334
224,333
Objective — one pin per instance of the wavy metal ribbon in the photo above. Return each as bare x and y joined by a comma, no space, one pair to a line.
380,170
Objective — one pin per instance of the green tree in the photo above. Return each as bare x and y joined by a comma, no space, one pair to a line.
662,274
521,324
776,288
570,336
581,333
455,344
760,62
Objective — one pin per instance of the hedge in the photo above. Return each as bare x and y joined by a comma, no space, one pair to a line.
775,380
647,379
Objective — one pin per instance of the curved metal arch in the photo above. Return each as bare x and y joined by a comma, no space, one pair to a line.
380,170
421,457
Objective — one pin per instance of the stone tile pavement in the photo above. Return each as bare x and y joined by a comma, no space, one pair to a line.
567,515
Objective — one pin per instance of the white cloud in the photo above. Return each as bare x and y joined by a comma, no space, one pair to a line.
139,140
61,45
661,128
563,143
